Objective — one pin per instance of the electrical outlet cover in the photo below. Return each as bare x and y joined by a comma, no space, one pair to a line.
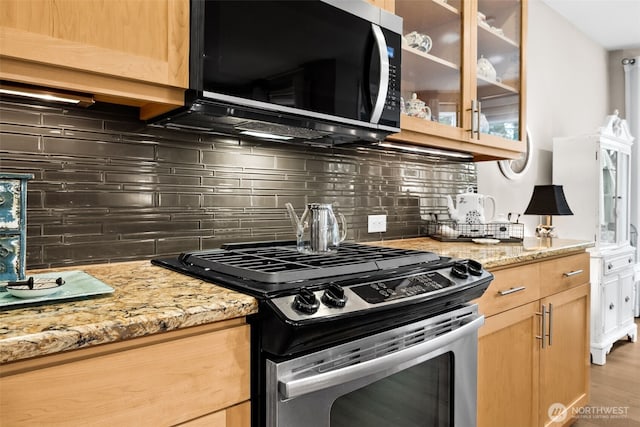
377,223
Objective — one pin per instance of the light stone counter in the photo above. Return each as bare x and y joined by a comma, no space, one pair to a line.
493,256
150,299
147,300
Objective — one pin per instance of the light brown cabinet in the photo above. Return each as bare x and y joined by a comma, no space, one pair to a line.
131,52
473,108
534,347
195,376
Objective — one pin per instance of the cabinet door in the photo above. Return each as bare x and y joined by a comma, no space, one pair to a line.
508,357
135,52
609,303
498,64
625,313
432,66
564,362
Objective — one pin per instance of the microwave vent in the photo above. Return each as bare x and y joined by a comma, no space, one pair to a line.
282,130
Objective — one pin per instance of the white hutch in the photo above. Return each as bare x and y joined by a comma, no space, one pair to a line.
595,172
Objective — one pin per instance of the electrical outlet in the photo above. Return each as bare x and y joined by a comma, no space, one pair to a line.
377,223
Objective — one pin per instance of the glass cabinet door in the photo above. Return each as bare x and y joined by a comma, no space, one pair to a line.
608,220
614,217
431,63
498,78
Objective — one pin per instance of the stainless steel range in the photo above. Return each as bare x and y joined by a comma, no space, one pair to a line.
366,335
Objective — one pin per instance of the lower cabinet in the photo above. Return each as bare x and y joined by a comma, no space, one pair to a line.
612,299
194,377
533,352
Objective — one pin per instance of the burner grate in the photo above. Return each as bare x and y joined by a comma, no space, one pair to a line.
282,263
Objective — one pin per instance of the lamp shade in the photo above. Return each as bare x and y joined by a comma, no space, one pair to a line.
548,200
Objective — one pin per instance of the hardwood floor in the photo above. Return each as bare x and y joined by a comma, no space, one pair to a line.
615,386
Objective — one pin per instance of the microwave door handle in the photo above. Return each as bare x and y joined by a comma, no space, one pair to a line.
407,357
381,43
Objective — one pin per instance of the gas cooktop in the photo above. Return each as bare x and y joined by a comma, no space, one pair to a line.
265,269
359,286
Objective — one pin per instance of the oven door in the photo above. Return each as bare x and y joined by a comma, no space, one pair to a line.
423,373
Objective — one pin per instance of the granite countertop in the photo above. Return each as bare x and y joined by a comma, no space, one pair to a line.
148,299
493,256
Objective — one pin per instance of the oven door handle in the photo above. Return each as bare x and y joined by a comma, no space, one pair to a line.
411,356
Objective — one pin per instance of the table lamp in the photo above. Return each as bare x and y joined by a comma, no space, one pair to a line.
547,200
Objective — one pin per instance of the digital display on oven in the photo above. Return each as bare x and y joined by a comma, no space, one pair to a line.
377,292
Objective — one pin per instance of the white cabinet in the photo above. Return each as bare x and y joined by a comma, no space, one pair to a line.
595,172
612,297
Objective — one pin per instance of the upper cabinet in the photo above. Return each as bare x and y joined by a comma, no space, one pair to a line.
131,52
465,61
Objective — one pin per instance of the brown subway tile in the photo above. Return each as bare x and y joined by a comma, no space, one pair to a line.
69,121
19,143
20,117
70,199
75,147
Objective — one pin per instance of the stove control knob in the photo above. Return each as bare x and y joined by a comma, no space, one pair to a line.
475,268
334,296
459,270
306,302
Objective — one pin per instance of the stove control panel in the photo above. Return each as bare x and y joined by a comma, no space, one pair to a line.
377,292
336,299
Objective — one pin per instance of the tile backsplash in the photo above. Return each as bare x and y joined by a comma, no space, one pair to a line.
108,188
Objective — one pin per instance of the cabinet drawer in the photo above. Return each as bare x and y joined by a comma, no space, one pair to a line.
11,203
9,257
510,288
614,264
162,383
563,273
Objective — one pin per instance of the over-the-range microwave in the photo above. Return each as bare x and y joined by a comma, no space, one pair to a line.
326,71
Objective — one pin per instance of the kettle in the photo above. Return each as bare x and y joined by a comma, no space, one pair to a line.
470,207
317,230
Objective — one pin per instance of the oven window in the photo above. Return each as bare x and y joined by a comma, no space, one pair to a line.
418,396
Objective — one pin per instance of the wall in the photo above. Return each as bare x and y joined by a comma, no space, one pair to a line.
107,188
567,94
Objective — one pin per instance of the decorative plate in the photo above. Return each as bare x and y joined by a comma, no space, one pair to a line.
486,241
35,287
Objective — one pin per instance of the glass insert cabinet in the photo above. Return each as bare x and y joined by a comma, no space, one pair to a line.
595,172
463,76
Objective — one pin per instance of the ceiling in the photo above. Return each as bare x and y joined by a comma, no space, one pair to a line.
613,24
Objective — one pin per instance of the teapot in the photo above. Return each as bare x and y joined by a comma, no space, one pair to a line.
418,108
317,230
470,207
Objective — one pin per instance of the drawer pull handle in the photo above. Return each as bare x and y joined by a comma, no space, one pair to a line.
630,260
4,251
511,291
610,266
550,323
611,306
543,324
572,273
626,299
